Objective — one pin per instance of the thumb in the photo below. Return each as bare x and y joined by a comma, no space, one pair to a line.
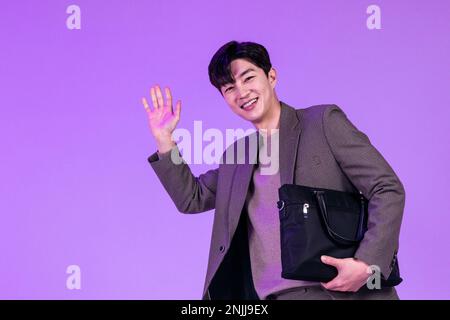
331,261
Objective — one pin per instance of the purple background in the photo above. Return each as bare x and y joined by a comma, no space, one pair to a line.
76,187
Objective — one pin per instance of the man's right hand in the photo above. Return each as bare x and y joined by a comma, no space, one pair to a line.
162,120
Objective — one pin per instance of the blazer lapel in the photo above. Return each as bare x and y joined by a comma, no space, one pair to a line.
290,128
242,176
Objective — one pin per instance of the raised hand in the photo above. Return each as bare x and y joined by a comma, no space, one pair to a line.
162,119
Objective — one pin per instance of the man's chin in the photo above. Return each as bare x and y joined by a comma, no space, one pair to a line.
252,118
251,115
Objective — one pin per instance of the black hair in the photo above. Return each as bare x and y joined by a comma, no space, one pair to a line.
219,67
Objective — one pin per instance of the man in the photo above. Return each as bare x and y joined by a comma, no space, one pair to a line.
318,147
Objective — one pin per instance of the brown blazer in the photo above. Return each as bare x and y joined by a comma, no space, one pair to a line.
319,147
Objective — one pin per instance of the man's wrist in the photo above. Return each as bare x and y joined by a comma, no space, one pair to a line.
164,143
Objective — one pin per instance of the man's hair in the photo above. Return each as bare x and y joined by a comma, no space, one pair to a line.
219,67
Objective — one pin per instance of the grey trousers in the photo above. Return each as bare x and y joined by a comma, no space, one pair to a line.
320,293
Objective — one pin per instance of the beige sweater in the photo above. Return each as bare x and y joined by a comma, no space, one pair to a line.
264,227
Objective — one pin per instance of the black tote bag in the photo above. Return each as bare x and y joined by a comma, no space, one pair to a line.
316,222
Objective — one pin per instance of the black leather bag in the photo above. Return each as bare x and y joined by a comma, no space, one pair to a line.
316,222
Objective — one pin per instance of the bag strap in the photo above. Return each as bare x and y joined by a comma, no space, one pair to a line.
336,237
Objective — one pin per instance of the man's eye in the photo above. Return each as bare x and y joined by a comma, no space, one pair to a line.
228,89
249,78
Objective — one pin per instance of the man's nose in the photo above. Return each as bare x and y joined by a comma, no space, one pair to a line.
243,93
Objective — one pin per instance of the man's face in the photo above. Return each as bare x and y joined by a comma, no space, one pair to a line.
251,83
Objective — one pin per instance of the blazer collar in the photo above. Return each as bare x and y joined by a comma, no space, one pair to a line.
290,128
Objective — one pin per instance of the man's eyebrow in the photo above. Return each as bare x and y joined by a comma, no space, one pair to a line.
241,75
245,72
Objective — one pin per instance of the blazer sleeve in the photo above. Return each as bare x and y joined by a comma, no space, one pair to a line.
190,194
373,176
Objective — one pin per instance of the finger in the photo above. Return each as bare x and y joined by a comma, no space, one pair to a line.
145,103
338,289
331,261
154,101
332,285
178,110
169,99
159,97
325,285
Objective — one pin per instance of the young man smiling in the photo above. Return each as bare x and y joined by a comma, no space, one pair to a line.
318,147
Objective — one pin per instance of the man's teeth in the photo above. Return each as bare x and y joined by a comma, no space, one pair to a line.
249,103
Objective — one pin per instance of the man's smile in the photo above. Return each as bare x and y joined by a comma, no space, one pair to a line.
249,104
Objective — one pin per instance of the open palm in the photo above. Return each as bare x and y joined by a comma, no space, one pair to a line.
162,119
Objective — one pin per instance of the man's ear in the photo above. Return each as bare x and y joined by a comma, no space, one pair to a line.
272,77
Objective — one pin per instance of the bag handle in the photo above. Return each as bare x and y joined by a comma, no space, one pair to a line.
336,237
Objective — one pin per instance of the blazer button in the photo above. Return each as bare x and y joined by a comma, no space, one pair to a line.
221,248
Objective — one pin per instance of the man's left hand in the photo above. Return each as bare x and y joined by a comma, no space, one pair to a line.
352,274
